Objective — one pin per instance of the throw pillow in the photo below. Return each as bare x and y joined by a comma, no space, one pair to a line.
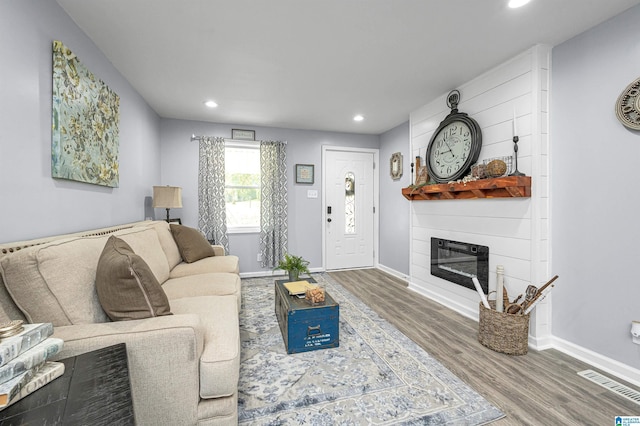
126,287
192,245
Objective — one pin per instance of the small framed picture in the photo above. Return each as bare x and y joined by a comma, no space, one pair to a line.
304,173
243,135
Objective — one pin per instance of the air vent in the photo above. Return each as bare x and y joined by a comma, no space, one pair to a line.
612,385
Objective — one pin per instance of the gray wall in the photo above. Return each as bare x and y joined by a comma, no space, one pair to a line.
179,165
594,170
394,208
33,203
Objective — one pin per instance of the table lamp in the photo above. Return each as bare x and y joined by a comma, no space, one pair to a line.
168,197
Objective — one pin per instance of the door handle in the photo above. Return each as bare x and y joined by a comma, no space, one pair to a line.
328,209
329,220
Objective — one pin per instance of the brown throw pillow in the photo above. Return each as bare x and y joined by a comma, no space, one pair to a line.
127,289
192,245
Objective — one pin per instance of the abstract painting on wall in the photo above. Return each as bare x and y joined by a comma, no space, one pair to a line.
85,137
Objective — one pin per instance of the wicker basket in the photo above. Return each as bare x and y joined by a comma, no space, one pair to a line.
503,332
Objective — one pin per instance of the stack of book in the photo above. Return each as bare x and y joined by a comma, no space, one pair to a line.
23,360
299,287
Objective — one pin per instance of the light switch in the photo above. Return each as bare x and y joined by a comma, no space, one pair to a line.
312,193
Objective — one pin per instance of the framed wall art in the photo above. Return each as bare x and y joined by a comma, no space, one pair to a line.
243,135
304,173
85,119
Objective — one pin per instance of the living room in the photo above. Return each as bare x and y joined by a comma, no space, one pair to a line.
582,230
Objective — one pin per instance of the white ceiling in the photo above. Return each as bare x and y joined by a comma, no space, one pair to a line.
307,64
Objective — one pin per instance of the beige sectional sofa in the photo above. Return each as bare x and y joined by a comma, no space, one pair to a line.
184,366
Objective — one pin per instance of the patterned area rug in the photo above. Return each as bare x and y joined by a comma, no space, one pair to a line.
377,376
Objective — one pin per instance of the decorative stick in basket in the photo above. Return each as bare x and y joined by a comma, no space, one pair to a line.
529,302
538,300
541,295
483,298
547,284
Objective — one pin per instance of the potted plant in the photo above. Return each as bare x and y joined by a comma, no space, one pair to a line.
294,265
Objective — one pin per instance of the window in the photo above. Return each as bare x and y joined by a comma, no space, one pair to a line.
350,203
242,187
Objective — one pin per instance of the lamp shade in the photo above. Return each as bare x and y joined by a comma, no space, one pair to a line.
168,197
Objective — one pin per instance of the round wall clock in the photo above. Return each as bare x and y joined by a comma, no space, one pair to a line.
455,145
628,106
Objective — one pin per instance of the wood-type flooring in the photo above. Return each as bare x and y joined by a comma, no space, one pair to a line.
539,388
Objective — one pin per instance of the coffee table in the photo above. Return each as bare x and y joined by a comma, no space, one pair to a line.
306,327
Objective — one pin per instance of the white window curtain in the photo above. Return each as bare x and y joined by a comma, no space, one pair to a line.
212,217
273,204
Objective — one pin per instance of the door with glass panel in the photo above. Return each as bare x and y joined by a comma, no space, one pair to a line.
349,204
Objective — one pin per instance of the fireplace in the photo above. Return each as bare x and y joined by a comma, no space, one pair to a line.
458,262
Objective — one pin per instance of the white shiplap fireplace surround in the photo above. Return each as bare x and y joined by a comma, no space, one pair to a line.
514,229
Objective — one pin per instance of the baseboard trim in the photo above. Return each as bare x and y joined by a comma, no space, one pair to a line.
259,274
541,343
393,272
445,301
606,364
277,273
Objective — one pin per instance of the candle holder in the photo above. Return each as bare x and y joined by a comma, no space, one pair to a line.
411,173
516,172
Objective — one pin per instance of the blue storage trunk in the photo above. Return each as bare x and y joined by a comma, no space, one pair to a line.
305,327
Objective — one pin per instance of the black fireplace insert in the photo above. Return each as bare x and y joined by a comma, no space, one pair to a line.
459,262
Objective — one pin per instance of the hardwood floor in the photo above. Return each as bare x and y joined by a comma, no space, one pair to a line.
539,388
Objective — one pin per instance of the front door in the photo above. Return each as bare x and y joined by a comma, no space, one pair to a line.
349,209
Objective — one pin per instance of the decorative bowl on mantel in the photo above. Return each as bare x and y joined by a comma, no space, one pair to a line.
497,166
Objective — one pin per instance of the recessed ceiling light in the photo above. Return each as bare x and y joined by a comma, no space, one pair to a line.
211,104
517,3
358,118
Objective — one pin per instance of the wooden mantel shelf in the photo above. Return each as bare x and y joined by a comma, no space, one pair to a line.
503,187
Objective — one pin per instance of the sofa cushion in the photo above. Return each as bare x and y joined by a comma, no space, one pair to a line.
220,359
192,244
8,309
212,284
126,286
145,243
228,263
55,282
167,241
